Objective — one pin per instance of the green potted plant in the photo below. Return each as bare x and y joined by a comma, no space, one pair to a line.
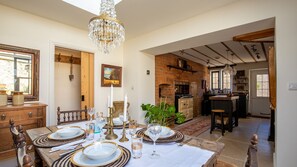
162,113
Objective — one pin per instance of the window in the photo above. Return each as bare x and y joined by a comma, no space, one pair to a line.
262,85
19,71
226,81
215,80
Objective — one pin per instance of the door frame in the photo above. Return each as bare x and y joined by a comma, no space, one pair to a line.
250,86
51,116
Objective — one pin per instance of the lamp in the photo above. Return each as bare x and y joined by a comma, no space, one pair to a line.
228,69
105,30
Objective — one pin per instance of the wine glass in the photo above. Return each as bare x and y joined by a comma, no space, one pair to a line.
132,127
91,112
100,122
154,130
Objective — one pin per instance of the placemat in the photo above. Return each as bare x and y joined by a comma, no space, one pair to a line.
177,137
44,142
122,161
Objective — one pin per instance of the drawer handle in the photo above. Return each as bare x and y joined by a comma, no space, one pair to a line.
3,117
30,114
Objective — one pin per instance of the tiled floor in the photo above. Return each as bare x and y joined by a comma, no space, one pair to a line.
237,142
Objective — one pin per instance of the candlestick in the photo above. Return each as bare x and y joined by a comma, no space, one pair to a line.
124,138
110,133
108,105
125,108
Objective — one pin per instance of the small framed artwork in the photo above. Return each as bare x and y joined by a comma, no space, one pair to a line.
111,75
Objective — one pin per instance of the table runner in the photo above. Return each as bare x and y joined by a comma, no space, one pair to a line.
171,153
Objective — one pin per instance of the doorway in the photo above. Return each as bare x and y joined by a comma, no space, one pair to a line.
74,79
259,93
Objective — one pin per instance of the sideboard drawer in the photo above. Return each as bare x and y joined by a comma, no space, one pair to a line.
30,115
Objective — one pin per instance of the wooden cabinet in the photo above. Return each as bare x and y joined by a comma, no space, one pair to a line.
30,116
185,106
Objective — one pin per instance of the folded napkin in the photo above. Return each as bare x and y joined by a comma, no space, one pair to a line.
67,146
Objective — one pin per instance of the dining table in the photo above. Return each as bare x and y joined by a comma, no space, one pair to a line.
190,151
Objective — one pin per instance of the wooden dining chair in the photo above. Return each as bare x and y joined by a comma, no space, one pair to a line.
19,140
70,116
119,107
252,160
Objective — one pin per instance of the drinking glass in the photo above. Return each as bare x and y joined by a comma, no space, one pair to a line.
132,127
154,130
136,146
101,121
91,112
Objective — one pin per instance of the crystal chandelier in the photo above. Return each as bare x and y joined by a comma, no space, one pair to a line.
105,30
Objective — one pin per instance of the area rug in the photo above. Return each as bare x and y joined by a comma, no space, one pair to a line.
194,127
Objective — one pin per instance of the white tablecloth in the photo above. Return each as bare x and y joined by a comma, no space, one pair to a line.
170,154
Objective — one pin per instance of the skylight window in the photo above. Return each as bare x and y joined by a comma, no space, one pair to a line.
92,6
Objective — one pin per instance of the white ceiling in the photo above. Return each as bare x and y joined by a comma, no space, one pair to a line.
143,16
138,16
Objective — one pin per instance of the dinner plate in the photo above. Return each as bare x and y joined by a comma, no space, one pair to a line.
117,121
169,134
79,159
56,136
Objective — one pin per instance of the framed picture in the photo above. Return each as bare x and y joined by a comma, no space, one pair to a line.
111,75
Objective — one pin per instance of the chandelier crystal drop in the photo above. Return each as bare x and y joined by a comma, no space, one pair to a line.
105,30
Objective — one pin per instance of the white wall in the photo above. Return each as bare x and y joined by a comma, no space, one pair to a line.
23,29
67,93
235,14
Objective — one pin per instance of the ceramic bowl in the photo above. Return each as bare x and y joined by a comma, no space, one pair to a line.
100,150
117,121
165,130
67,132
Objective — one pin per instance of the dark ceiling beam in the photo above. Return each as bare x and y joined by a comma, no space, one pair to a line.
264,51
198,58
206,55
246,48
218,53
215,67
232,51
254,35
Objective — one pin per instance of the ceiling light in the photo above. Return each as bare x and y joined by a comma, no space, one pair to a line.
105,30
228,69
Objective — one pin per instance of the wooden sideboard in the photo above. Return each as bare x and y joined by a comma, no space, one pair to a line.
31,115
185,106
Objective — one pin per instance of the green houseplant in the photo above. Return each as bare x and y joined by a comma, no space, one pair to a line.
162,113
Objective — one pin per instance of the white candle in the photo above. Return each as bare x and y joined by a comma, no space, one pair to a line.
125,108
108,105
111,96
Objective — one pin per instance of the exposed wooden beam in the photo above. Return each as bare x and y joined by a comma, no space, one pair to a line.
198,58
232,51
255,35
206,55
232,65
246,48
218,53
264,51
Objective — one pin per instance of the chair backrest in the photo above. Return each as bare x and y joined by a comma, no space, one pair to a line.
19,140
119,107
252,159
70,116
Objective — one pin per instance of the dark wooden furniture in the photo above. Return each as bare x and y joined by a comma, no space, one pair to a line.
214,122
30,115
70,116
119,107
19,140
206,106
229,105
242,104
